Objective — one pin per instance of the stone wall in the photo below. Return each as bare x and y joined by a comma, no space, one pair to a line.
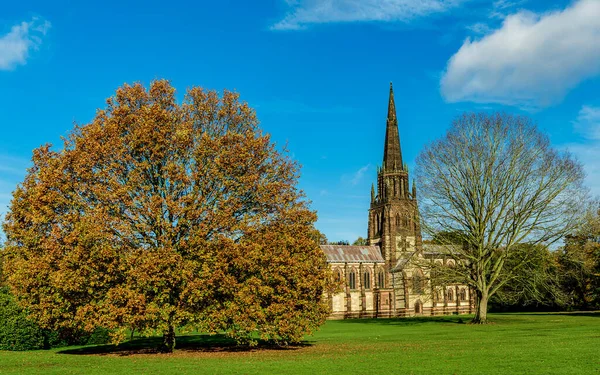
396,296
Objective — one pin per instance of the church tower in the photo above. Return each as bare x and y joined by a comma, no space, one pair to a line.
394,215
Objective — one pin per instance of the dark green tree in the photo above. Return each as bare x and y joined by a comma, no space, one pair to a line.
579,264
360,242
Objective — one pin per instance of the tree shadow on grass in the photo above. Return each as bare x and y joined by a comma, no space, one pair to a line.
595,314
444,319
189,343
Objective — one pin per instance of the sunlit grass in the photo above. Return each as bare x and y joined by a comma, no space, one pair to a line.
513,344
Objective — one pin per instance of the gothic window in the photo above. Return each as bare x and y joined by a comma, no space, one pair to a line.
352,279
338,275
463,294
367,279
418,308
418,281
381,279
450,294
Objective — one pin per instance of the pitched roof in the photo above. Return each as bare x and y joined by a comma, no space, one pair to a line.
433,249
402,263
352,254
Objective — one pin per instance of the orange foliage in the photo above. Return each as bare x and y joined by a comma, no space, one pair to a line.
161,214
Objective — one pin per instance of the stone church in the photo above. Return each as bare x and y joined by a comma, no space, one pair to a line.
384,279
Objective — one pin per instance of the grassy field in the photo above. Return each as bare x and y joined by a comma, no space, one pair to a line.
514,344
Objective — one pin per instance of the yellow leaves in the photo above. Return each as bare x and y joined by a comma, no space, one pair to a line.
159,213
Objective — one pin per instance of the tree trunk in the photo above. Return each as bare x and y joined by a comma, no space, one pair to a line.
481,312
168,340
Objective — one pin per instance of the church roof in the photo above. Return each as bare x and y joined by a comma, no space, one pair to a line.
402,263
352,254
433,249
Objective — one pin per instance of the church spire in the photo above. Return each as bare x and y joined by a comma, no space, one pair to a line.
392,154
391,105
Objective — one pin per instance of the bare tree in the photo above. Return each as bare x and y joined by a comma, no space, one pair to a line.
496,181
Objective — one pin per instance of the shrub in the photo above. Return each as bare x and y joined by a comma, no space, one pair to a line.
18,333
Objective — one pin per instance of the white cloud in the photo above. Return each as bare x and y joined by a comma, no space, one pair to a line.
499,10
501,7
19,41
589,154
588,122
358,175
503,4
307,12
479,28
533,60
588,151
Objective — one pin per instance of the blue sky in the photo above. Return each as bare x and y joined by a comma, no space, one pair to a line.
317,72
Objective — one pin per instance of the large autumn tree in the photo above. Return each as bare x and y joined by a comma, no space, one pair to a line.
495,184
161,214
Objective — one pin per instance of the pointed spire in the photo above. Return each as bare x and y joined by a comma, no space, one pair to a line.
372,193
392,154
391,104
414,189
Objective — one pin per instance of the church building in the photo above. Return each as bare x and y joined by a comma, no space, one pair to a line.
384,279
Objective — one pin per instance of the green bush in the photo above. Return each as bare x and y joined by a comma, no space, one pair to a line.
18,333
98,337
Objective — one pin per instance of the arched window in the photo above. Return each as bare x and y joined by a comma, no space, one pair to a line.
438,296
450,294
352,280
337,274
418,281
367,279
463,294
381,279
418,308
450,263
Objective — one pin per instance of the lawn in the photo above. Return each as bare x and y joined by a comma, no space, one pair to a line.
514,344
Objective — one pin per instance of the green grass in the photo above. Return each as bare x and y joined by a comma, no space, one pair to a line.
514,344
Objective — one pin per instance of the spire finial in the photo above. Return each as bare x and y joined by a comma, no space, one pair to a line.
414,189
372,193
392,154
391,105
